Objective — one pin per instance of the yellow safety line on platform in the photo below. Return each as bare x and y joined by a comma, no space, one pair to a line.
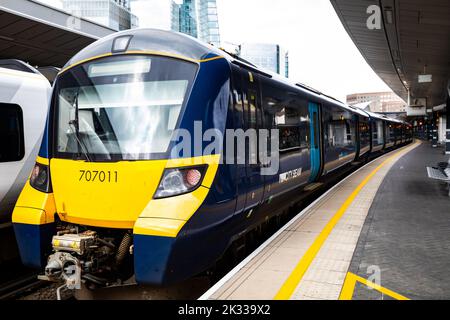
350,283
291,283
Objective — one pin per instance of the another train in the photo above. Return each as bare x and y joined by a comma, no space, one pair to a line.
109,198
24,96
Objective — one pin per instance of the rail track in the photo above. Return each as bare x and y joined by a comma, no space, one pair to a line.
17,288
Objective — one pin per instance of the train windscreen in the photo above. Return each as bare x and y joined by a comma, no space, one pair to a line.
120,108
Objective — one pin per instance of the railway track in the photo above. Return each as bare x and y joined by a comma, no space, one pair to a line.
20,287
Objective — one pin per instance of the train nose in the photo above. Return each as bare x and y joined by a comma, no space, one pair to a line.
104,194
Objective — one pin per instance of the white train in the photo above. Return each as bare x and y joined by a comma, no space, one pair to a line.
24,96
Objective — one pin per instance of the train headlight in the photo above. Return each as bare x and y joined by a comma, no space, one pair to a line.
40,178
180,181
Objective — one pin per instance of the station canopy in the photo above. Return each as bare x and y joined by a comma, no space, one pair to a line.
42,35
410,50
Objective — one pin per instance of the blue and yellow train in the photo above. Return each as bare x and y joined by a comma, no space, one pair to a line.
108,198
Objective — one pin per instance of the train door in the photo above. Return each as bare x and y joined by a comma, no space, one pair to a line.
253,121
315,140
238,112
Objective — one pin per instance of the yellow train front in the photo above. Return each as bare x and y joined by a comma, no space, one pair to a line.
112,194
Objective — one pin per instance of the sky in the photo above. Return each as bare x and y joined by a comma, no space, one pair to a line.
54,3
321,53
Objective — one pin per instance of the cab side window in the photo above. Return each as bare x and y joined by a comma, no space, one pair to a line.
12,147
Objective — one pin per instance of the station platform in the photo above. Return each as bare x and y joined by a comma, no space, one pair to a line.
380,233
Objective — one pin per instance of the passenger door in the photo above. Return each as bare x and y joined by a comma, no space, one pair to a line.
315,140
253,119
238,112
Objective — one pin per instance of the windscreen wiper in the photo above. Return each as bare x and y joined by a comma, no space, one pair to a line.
76,132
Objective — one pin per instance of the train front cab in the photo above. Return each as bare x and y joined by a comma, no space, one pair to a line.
111,182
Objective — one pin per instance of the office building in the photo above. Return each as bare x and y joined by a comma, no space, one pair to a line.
115,14
268,56
208,22
188,18
378,101
197,18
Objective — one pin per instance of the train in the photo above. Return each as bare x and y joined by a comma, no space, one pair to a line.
113,196
24,96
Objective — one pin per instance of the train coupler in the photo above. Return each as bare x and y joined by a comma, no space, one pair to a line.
63,266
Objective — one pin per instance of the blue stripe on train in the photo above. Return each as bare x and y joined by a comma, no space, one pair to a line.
151,256
43,151
34,242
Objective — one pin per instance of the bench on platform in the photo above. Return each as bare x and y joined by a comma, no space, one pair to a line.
442,174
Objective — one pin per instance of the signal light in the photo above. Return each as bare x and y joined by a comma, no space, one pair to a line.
193,177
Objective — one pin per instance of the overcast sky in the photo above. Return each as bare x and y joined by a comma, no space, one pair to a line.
322,55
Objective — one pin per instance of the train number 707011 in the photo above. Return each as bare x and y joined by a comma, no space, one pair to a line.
100,176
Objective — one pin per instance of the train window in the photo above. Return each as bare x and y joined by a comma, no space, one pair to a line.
237,98
364,131
125,116
12,146
340,128
286,111
287,121
377,132
390,134
253,123
251,115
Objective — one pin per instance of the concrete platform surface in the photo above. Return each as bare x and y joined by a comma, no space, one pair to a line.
359,240
406,236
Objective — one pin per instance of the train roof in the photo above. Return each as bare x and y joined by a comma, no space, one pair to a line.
376,115
162,42
17,65
20,68
360,111
149,40
16,73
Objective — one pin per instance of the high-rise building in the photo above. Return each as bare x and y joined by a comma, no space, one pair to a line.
286,65
378,101
175,11
188,18
208,22
115,14
269,56
197,18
